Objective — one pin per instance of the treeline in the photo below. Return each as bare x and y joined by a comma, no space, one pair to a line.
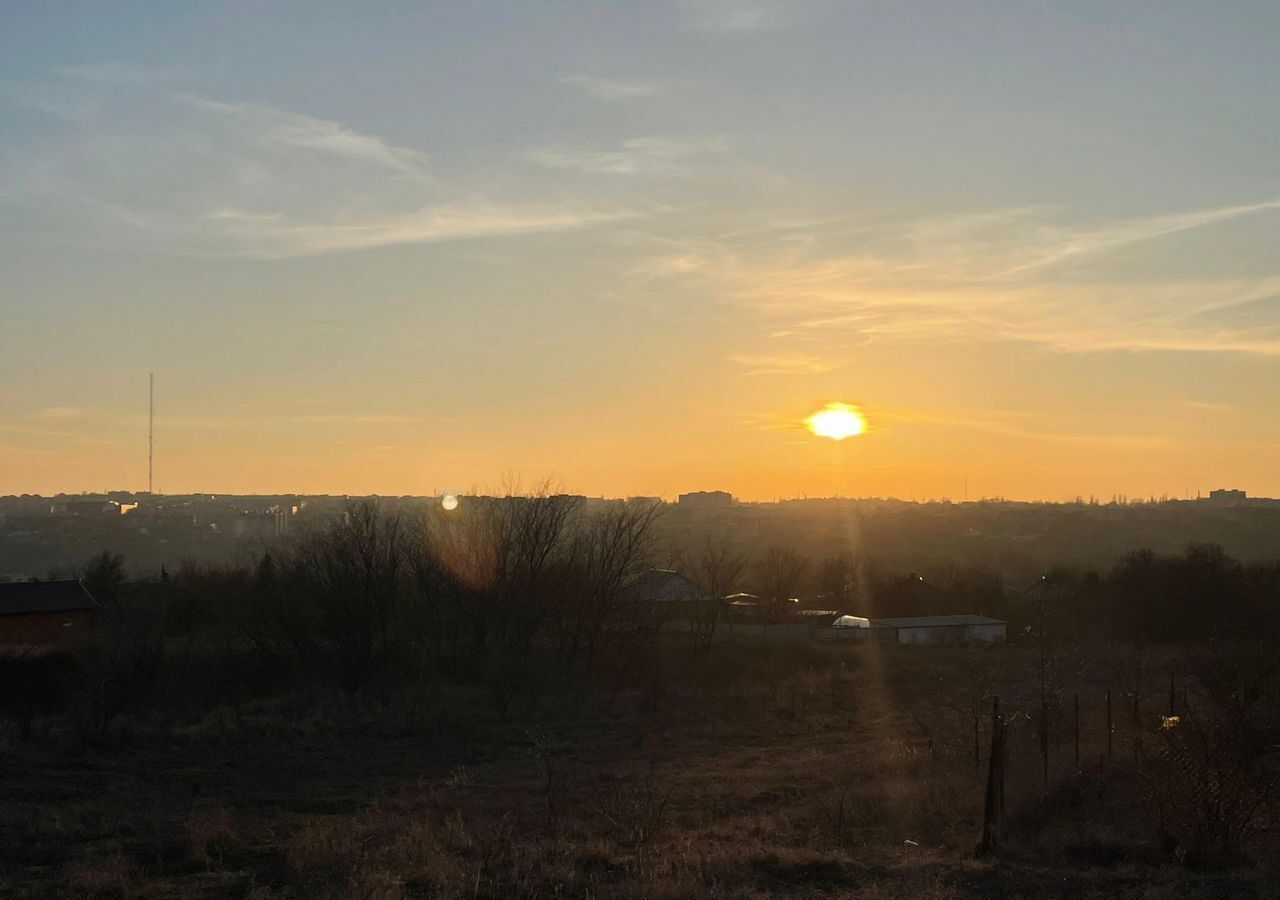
1197,595
524,595
517,596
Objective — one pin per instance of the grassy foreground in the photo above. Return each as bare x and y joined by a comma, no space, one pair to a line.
755,771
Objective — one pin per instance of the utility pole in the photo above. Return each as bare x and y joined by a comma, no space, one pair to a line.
151,432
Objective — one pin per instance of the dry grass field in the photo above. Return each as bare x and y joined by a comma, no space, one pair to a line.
756,771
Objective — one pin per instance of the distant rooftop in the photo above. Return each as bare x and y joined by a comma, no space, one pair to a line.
18,597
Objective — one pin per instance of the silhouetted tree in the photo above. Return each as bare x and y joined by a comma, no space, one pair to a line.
778,573
838,581
716,571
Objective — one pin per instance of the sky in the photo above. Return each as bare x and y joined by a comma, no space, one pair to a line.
407,248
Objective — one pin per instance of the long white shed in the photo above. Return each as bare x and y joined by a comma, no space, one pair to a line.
939,630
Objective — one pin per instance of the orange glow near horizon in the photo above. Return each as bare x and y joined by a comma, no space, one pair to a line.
837,421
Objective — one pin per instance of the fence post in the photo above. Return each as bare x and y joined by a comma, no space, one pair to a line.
1044,741
993,802
977,741
1137,729
1077,712
1109,728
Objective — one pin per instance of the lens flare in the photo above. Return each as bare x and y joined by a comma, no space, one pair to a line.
837,421
449,502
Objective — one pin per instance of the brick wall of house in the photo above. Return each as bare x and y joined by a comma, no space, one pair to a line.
44,629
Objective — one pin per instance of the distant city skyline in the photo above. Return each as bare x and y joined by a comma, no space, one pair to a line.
1217,496
632,247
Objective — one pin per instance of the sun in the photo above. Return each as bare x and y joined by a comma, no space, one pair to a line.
837,421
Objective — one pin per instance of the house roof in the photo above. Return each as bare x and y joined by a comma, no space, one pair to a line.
662,584
933,621
18,597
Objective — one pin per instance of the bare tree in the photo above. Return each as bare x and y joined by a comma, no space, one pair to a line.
717,570
838,578
610,547
778,574
332,598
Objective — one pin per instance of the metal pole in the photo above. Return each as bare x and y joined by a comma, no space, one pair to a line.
151,431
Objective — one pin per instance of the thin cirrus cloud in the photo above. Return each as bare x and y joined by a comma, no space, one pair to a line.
135,165
732,16
635,157
1002,275
613,90
785,364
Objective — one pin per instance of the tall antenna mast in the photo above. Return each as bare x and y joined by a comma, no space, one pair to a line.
151,430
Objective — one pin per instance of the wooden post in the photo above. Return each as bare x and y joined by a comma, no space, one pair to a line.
994,799
1173,698
1077,712
1137,729
977,741
1044,741
1109,728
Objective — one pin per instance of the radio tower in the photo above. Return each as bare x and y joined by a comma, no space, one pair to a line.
151,430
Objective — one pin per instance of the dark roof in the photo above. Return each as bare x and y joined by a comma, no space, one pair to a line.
662,585
933,621
17,597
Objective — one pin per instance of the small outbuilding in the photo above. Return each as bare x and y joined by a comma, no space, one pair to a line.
939,630
40,614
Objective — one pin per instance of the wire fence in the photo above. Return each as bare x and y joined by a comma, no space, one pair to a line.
1026,746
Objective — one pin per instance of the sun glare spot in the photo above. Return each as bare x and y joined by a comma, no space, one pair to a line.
449,502
837,421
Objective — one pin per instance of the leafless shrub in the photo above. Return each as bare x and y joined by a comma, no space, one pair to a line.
331,600
212,833
635,809
1213,772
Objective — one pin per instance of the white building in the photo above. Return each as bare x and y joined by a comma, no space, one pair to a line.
939,630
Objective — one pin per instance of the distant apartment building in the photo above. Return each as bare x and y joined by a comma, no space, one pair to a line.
706,500
1227,497
262,523
92,508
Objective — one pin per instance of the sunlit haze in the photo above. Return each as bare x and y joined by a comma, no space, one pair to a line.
633,248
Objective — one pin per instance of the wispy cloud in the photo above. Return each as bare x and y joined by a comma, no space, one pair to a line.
142,166
732,16
613,90
274,236
356,419
1001,275
785,364
651,156
287,132
1059,244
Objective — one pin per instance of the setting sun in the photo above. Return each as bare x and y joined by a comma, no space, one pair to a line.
837,421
